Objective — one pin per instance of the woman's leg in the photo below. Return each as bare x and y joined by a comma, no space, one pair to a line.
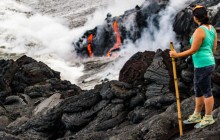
204,85
199,104
196,116
203,89
209,103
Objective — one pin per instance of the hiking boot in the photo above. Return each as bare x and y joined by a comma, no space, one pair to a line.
205,122
192,119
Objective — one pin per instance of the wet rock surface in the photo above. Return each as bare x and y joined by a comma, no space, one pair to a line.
36,104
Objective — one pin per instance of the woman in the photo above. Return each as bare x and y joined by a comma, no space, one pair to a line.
203,46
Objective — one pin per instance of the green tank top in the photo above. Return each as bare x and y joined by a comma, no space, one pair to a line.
204,56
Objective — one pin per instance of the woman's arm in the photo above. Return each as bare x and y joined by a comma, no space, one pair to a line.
215,44
198,38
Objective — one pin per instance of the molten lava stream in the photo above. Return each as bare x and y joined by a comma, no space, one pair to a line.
118,39
89,47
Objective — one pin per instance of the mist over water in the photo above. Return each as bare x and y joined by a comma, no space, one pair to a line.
46,38
42,37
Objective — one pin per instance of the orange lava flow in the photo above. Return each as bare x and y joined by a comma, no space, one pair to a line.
118,39
89,47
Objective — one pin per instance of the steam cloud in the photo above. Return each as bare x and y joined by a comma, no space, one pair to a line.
153,38
47,39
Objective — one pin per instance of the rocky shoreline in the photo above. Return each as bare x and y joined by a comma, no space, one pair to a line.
36,104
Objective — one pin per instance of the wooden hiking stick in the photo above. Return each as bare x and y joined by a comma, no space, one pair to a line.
177,92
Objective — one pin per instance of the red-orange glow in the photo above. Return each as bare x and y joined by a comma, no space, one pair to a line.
89,47
118,39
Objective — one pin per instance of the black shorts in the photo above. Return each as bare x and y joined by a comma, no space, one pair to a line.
202,81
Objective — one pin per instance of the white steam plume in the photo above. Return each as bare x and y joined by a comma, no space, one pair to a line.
152,37
48,39
41,37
